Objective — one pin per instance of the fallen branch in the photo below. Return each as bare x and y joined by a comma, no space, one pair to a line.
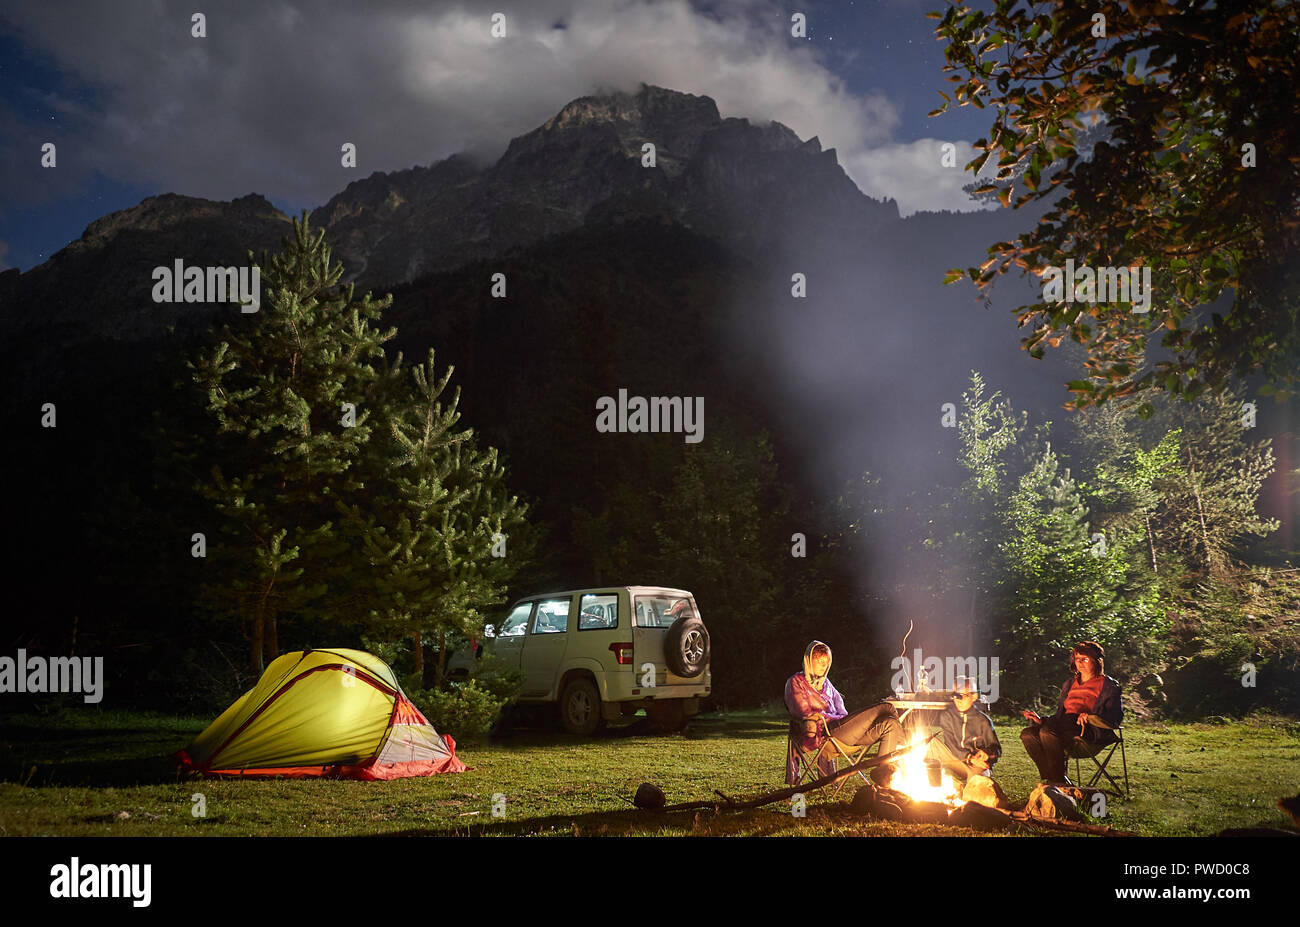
1100,830
728,803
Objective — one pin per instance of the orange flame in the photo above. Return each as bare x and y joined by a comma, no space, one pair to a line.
912,778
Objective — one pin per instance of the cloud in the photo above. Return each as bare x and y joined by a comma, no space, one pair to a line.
914,174
265,101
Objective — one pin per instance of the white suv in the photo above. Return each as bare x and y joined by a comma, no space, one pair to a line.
603,653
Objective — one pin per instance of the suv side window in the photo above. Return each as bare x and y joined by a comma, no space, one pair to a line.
598,612
516,622
551,617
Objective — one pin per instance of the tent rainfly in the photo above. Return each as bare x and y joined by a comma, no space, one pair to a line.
326,713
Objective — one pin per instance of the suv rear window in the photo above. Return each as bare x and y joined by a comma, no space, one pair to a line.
660,611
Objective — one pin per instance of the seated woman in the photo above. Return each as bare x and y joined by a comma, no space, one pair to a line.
1088,692
810,697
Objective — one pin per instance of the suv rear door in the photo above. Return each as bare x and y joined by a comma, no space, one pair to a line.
654,613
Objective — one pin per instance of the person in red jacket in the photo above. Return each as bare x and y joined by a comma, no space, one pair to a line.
1089,692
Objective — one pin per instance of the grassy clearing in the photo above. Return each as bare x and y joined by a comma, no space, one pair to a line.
73,773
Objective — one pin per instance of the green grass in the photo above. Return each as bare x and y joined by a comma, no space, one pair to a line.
74,773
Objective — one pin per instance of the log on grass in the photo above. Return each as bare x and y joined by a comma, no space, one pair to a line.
728,803
1071,827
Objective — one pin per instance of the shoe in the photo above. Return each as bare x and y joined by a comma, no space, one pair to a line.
880,775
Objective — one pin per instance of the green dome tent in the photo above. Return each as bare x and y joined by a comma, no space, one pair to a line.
335,713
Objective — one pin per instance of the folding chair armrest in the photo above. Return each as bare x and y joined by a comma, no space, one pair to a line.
1098,722
806,726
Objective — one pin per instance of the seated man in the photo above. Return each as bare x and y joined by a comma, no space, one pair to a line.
809,696
969,745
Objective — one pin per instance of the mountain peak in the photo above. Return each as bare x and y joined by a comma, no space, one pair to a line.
167,210
649,106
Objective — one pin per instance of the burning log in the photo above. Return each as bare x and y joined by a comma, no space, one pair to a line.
893,805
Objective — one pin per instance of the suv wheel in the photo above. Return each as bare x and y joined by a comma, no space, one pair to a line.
686,646
580,707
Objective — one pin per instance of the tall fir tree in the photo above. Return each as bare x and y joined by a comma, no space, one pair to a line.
291,391
1062,586
437,529
989,432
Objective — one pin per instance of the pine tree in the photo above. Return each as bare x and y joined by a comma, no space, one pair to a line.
1208,504
1062,587
989,431
1123,492
437,531
344,498
291,391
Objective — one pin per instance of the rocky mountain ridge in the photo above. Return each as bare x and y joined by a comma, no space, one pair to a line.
748,186
727,178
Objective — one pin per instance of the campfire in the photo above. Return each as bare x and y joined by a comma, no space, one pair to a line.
911,777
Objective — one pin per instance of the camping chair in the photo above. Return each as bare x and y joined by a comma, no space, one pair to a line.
809,761
1080,749
851,754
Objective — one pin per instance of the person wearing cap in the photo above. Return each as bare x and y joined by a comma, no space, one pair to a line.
810,697
969,746
1088,692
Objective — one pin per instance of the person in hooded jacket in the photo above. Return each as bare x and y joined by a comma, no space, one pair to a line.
810,697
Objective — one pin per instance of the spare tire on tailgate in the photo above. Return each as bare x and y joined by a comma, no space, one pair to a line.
686,646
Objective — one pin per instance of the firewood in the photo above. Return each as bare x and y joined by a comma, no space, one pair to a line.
728,803
1104,831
